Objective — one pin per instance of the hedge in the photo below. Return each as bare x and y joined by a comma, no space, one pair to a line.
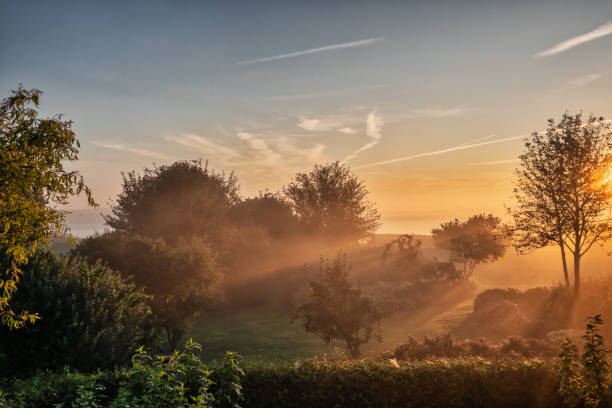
323,383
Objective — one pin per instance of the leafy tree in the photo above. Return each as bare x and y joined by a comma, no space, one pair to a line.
332,201
409,263
90,318
32,182
180,278
268,211
479,239
337,310
563,189
175,202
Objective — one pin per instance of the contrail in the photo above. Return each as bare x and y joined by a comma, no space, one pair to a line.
333,47
437,152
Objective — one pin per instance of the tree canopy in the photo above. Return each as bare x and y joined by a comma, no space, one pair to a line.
331,200
175,201
479,239
563,189
33,181
181,278
337,310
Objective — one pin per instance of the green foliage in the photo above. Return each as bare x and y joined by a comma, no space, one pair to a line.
175,202
477,240
460,383
180,278
178,380
90,318
330,200
32,156
339,311
584,381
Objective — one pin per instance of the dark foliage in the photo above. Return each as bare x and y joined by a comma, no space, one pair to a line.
269,212
331,201
176,202
180,278
479,239
563,190
339,311
89,318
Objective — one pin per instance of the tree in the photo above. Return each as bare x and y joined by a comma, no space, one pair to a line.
268,211
175,202
90,318
180,278
33,182
332,201
478,240
563,189
339,311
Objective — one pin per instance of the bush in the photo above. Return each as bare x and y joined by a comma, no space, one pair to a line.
456,383
89,319
179,380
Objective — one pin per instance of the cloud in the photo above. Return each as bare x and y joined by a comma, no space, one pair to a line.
332,47
374,125
317,125
134,150
438,152
491,163
255,159
437,112
480,139
587,79
599,32
347,130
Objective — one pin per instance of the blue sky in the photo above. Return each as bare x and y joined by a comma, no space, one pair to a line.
269,88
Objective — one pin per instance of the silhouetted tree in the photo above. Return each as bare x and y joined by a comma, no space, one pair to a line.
332,201
268,211
563,189
180,278
337,310
33,180
175,202
479,239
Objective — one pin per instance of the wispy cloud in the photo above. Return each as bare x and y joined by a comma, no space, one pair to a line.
374,125
492,163
317,50
255,159
347,130
480,139
437,112
317,125
438,152
584,80
133,150
599,32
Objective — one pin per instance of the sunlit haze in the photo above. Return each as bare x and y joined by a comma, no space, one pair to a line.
427,101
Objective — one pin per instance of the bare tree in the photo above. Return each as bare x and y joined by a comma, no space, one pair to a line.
563,189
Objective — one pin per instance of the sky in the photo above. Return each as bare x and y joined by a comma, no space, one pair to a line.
427,101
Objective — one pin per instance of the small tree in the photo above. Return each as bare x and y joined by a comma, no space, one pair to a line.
563,189
332,201
180,278
478,240
32,181
339,311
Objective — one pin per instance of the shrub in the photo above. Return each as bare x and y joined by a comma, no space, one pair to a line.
456,383
178,380
89,319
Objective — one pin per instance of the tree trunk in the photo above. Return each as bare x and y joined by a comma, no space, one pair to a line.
576,273
565,271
